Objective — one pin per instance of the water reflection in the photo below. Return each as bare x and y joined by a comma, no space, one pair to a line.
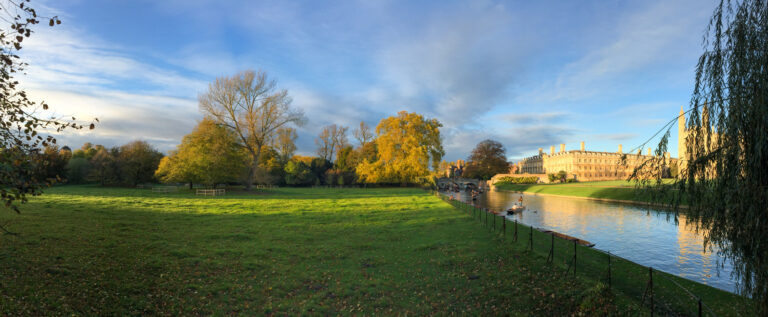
649,238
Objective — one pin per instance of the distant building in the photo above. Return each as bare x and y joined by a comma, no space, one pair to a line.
455,169
583,165
683,132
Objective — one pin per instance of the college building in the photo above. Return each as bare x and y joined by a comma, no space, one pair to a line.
583,165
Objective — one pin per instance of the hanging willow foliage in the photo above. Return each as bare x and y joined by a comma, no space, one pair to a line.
724,173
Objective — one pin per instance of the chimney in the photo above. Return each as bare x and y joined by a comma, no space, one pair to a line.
649,151
582,146
552,150
562,147
541,150
620,149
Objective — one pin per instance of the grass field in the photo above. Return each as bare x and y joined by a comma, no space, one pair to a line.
672,295
93,250
617,190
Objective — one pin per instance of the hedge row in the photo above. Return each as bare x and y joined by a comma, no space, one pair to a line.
517,180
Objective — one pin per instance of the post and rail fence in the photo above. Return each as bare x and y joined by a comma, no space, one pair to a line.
658,292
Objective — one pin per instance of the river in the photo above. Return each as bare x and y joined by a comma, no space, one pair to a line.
647,237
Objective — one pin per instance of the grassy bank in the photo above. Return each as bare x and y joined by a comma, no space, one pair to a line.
92,250
672,295
613,190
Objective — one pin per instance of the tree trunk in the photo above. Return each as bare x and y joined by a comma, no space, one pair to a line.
254,170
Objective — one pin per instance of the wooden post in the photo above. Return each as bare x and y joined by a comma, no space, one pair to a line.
574,257
515,230
699,307
650,276
531,238
552,248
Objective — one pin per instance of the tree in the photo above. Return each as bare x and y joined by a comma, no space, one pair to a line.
330,140
363,134
137,162
249,105
724,174
407,146
562,176
488,158
103,167
78,170
209,155
22,131
297,173
285,143
54,163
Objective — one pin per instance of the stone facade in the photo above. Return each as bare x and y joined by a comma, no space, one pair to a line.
583,165
682,134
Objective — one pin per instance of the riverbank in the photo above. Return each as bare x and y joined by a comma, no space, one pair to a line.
674,295
88,250
609,191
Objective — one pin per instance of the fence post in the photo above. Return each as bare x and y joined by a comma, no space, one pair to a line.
699,306
574,257
531,238
515,230
650,276
551,257
494,222
504,225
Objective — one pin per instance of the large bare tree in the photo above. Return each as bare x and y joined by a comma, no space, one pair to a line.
363,134
331,139
285,143
249,104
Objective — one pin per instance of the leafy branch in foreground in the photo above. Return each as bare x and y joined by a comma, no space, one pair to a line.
22,131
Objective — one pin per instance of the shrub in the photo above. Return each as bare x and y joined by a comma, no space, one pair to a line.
516,180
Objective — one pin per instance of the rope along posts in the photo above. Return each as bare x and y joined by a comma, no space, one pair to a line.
659,293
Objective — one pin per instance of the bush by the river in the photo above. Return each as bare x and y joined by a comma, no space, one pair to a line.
517,180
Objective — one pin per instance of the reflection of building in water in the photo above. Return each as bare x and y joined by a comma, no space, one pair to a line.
584,165
691,246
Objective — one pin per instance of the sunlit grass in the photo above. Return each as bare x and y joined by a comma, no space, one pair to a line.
616,190
93,250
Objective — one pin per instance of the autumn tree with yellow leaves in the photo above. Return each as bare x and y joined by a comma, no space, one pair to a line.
408,145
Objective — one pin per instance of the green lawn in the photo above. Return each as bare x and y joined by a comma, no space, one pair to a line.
93,250
617,190
111,251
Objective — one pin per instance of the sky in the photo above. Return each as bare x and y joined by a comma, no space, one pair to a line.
528,74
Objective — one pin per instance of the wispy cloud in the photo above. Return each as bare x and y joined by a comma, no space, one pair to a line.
652,35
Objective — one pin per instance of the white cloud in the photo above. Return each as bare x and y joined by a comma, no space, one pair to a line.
659,34
458,66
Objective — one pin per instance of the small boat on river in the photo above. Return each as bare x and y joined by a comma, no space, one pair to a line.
515,209
570,238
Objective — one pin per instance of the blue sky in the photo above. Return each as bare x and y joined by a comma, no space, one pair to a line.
529,74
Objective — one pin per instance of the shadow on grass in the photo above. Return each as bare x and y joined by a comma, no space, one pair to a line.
90,256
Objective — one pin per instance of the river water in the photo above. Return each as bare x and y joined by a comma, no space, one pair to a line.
647,237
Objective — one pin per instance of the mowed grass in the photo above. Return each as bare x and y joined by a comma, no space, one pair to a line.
94,250
616,190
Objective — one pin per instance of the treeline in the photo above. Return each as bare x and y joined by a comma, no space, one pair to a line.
127,165
404,149
248,136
